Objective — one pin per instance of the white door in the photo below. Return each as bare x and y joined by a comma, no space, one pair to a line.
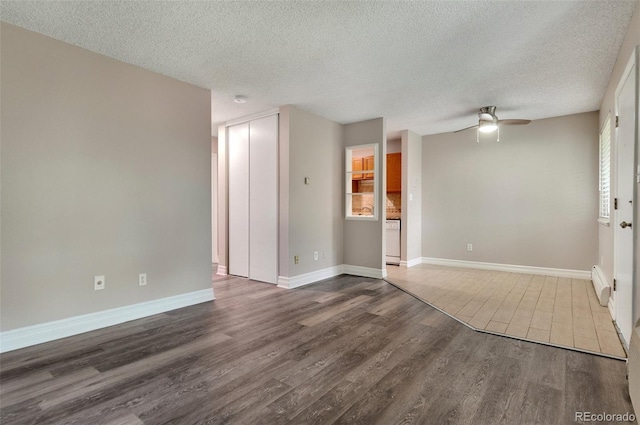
623,215
214,208
263,199
238,139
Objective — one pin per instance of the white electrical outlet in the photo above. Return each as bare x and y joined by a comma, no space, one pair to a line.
98,282
469,247
315,255
142,279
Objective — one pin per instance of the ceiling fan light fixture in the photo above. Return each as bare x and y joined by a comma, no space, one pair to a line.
488,126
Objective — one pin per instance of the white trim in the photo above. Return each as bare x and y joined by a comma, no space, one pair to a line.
318,275
411,263
222,270
363,271
252,117
44,332
308,278
575,274
284,282
600,285
361,217
604,221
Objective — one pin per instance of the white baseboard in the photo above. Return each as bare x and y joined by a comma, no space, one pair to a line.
222,270
308,278
600,285
411,263
312,277
44,332
364,271
574,274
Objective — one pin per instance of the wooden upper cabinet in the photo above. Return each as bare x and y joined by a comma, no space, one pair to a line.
394,172
356,165
368,166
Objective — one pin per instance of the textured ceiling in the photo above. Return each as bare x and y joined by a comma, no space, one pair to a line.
425,66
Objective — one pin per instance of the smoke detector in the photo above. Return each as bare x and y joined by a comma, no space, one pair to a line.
240,99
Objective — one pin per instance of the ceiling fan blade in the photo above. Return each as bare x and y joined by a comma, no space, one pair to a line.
514,122
467,128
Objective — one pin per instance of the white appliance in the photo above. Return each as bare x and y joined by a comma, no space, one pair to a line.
393,242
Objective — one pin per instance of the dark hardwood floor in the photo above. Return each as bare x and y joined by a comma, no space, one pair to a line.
347,350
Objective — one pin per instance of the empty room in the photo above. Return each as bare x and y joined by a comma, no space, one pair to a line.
319,212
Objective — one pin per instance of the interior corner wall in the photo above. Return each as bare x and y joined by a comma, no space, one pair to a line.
311,214
411,223
530,200
283,193
605,233
365,241
106,170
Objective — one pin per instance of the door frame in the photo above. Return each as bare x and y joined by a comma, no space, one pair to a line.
631,65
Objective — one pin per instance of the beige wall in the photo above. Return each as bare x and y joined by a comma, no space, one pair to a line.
394,146
312,216
411,224
106,169
605,233
530,200
364,241
283,192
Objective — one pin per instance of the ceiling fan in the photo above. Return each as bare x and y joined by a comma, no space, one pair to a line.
488,122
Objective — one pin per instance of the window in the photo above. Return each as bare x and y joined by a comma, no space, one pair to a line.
605,172
361,182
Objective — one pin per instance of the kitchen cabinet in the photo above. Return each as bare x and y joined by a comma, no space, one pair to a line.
356,165
394,172
368,165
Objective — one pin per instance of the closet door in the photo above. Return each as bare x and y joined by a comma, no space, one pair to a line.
238,139
263,199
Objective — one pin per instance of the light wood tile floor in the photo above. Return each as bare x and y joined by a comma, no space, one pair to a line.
559,311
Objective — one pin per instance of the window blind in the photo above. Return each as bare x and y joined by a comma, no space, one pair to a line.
605,170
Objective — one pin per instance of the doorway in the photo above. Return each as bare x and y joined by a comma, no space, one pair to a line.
625,139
